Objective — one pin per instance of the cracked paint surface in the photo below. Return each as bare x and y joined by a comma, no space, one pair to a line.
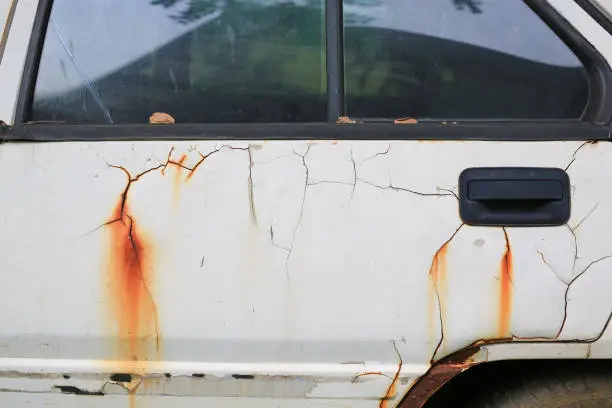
130,279
344,263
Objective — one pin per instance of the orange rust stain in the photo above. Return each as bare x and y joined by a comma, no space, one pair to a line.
505,290
181,161
134,308
132,399
193,170
392,390
384,402
437,297
168,161
177,177
437,271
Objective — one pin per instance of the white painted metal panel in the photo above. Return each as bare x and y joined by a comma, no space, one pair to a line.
291,274
282,261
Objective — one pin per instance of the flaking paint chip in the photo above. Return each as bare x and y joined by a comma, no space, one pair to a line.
160,117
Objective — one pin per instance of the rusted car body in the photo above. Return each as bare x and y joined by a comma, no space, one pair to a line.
257,265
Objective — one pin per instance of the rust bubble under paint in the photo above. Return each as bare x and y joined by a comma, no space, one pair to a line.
505,290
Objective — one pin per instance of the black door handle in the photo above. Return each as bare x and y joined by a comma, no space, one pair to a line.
514,196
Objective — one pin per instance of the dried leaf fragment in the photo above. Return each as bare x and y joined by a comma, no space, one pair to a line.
345,120
160,117
405,121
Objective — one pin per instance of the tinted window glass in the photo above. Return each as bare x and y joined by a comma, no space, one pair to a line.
457,59
119,61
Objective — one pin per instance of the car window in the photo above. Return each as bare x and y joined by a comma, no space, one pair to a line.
457,59
118,61
234,61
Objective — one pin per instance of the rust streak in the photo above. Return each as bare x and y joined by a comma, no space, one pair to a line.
130,269
194,168
437,271
179,164
505,289
392,390
181,160
437,275
168,160
177,177
134,308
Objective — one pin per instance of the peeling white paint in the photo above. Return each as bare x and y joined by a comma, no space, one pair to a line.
312,381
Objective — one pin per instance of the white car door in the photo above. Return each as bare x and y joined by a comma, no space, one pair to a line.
271,260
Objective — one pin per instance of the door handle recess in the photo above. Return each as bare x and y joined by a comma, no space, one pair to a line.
514,196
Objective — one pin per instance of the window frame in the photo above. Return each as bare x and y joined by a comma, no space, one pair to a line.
593,124
598,15
599,105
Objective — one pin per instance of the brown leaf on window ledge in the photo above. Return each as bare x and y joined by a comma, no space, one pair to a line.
160,117
405,121
345,120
